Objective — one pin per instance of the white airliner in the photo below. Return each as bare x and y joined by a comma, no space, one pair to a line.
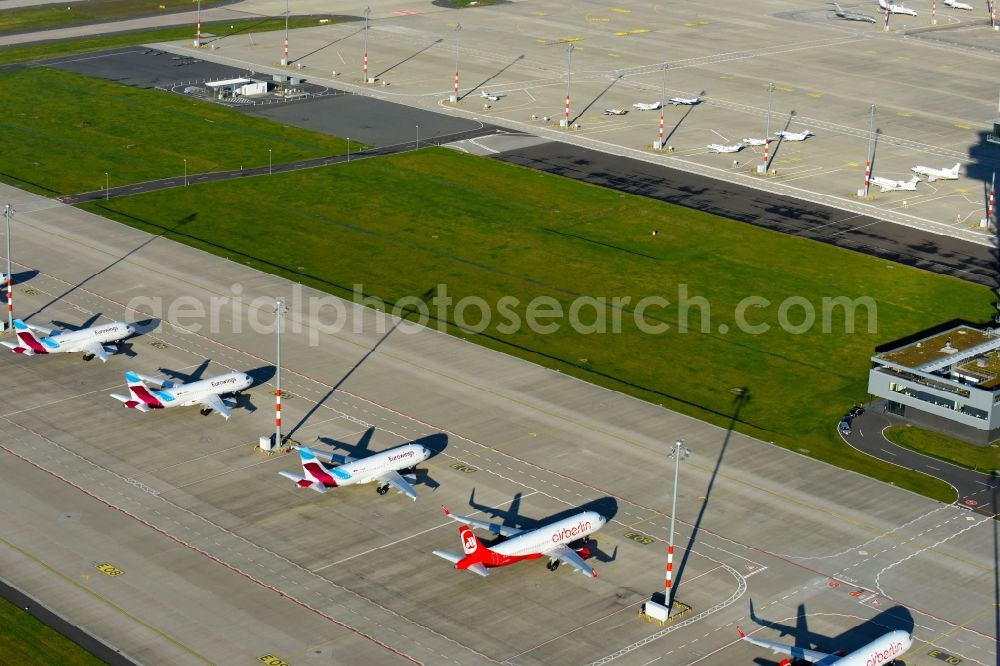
553,541
719,148
646,106
205,392
754,142
492,98
852,16
684,100
955,4
794,136
615,112
90,341
891,185
937,174
896,9
382,467
881,651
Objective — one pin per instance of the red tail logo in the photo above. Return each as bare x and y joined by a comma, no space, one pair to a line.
470,543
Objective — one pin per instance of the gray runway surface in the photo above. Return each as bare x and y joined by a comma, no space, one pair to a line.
223,560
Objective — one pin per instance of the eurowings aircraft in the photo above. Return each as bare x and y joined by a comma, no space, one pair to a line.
562,541
890,185
754,142
853,16
684,100
382,468
896,9
206,392
90,341
933,174
955,4
615,112
882,650
646,106
794,136
719,148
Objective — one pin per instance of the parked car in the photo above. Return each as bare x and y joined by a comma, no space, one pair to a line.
844,426
857,410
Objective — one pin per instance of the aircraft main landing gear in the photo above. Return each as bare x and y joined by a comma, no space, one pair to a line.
552,565
382,490
205,412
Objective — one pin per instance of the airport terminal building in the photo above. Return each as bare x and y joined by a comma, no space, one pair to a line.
948,381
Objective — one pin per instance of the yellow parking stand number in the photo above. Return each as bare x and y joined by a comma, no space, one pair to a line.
109,569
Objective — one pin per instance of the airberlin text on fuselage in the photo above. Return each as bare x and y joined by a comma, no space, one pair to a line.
885,656
569,532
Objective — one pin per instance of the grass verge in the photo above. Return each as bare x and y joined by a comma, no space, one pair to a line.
78,128
488,230
984,459
25,640
45,17
220,30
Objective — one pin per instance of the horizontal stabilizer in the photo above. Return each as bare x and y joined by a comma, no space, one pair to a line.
454,558
479,568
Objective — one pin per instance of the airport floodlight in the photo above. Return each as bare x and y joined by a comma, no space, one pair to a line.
663,100
871,139
284,61
279,314
569,75
8,211
268,161
348,150
185,172
367,13
678,452
197,30
458,29
418,137
107,195
767,130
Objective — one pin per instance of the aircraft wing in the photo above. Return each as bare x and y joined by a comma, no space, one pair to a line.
569,556
332,457
95,349
396,480
811,656
41,329
216,403
495,528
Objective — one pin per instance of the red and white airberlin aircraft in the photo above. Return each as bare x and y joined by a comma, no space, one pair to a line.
89,341
206,392
552,541
880,652
382,467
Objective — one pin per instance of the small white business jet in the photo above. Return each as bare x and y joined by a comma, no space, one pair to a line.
891,185
933,174
794,136
719,148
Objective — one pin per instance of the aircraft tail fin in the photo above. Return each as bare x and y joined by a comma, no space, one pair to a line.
954,169
28,342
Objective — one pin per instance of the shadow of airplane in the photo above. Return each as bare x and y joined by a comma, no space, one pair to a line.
891,619
20,278
186,378
511,516
490,78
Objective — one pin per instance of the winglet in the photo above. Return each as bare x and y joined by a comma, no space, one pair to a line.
446,511
132,377
20,325
742,635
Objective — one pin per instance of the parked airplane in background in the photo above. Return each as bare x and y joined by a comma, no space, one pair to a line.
646,106
684,100
852,16
937,174
615,112
955,4
754,142
890,185
883,650
554,541
90,341
719,148
205,392
896,9
382,467
492,98
794,136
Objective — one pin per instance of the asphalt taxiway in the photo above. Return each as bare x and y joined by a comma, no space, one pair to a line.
223,560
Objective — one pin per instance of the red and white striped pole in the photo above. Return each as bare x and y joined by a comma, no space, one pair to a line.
279,313
934,12
368,10
669,594
990,208
569,77
868,174
8,210
993,14
567,109
767,142
886,26
456,83
284,61
197,30
661,128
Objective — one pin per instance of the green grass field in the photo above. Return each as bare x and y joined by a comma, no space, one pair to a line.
25,640
490,230
982,458
77,129
221,30
42,17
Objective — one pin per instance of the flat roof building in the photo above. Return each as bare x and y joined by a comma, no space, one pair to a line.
948,381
